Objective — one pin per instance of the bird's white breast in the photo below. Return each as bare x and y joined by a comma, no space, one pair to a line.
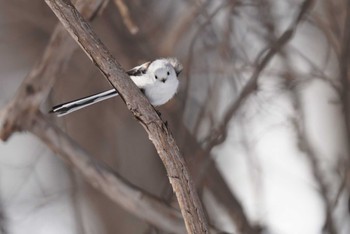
160,93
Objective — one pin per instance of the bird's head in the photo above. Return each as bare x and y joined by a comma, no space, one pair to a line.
165,69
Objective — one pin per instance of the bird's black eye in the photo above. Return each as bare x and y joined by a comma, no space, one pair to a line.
156,77
168,73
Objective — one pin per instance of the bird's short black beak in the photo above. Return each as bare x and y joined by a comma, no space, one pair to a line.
163,80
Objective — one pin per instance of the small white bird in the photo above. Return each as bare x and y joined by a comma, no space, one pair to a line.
156,79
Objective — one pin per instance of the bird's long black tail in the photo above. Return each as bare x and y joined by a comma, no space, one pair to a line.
72,106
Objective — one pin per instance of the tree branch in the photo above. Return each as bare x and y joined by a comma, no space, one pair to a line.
125,14
158,133
261,62
305,145
104,179
36,86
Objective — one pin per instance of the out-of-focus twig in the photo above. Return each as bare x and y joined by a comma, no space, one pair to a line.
190,57
318,73
261,62
3,220
125,14
219,135
306,146
138,104
322,25
39,81
303,139
182,25
345,78
344,67
104,179
191,47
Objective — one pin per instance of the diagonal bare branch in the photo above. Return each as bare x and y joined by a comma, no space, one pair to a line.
158,133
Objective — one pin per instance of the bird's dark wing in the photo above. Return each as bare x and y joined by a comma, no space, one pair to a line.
139,70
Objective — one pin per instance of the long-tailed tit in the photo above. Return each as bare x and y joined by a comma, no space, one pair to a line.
156,79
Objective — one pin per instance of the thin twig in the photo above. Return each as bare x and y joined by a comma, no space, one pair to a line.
3,219
262,61
183,24
192,45
187,82
306,146
125,14
344,67
345,78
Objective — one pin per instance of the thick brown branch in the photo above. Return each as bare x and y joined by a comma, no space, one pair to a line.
160,136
